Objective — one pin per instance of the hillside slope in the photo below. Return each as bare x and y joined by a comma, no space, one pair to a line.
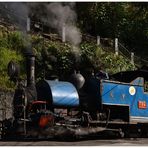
54,57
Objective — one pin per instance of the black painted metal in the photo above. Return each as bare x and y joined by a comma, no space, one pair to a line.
77,80
30,68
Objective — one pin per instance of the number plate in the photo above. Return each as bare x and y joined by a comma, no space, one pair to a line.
142,104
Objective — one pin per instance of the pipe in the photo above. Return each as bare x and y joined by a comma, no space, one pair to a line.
30,70
30,67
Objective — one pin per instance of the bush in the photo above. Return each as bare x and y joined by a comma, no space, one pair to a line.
56,58
6,55
95,57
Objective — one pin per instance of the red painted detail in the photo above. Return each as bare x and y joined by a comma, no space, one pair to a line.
46,120
142,104
39,102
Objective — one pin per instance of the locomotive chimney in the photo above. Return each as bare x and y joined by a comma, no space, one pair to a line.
30,68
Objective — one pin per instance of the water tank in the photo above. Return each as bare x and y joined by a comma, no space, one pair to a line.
58,93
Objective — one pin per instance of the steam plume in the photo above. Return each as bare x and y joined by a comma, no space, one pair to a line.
17,13
56,15
60,14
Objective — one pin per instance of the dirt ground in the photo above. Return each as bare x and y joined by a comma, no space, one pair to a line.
114,142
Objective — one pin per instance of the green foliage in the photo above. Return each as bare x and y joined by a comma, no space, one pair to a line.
10,45
6,55
53,58
102,18
15,41
115,64
127,21
93,56
60,59
56,58
6,84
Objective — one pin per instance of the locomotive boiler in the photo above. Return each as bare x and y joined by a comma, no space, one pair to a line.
79,107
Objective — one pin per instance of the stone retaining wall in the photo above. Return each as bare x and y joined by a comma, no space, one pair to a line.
6,99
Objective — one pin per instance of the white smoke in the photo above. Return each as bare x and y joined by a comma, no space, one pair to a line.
56,15
73,34
63,14
18,13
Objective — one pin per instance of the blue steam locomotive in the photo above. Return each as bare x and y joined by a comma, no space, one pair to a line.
80,107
